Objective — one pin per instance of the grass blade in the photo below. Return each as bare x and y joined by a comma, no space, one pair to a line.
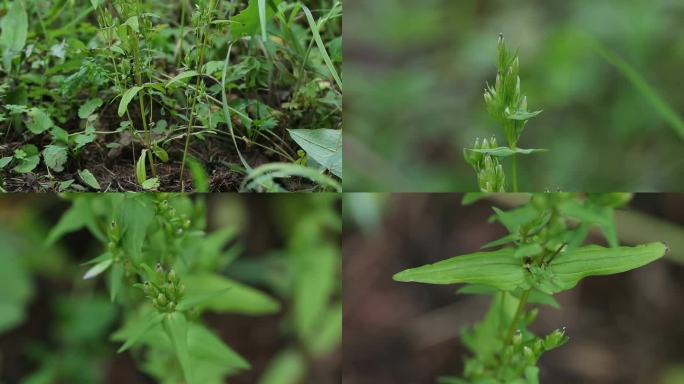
321,47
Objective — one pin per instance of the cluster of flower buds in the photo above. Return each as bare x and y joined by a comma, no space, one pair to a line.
173,223
490,174
165,295
504,101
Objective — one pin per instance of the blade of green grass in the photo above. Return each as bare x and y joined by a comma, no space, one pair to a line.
262,18
321,47
640,83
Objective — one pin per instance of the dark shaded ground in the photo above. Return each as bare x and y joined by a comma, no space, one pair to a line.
626,328
257,338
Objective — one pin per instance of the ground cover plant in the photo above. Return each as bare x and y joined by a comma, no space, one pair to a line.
168,289
542,255
203,95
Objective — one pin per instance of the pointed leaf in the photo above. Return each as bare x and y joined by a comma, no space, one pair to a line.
182,76
89,179
498,269
140,328
115,279
570,267
97,269
523,115
506,152
322,145
126,99
190,301
176,327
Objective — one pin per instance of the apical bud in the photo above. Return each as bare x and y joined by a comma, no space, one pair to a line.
172,277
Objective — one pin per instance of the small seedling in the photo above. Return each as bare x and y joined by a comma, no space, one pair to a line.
508,106
542,255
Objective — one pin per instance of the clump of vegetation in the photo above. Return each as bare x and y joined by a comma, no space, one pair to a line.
508,106
145,95
542,255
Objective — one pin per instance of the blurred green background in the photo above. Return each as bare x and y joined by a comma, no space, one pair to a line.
416,70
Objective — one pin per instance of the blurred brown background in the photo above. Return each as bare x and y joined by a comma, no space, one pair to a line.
626,328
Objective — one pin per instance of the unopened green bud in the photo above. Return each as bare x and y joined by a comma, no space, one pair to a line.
172,277
161,299
181,289
517,338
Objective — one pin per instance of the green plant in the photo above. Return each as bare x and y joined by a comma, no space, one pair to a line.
130,90
162,271
506,104
543,254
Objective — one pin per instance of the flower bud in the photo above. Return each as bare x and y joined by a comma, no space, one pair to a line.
161,299
517,338
171,276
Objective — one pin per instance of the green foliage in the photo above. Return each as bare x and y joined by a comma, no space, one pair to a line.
508,107
153,246
106,79
542,255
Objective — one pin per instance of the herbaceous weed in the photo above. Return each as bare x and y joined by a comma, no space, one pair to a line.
151,95
508,106
542,255
162,270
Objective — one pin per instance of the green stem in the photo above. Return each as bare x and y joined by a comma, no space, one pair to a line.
514,172
518,314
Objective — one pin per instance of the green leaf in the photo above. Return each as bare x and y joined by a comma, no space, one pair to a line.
27,157
55,157
570,267
288,367
321,46
98,269
126,99
527,250
539,297
39,121
115,280
176,327
498,269
262,18
182,76
522,115
247,22
135,216
329,335
14,31
206,346
140,170
239,298
200,180
140,328
506,152
5,161
515,218
191,301
89,107
322,145
150,184
161,153
89,179
133,23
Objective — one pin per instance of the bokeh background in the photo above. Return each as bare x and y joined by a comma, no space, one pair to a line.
415,72
624,328
66,322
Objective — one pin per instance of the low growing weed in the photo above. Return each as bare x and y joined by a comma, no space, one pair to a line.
542,255
133,90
